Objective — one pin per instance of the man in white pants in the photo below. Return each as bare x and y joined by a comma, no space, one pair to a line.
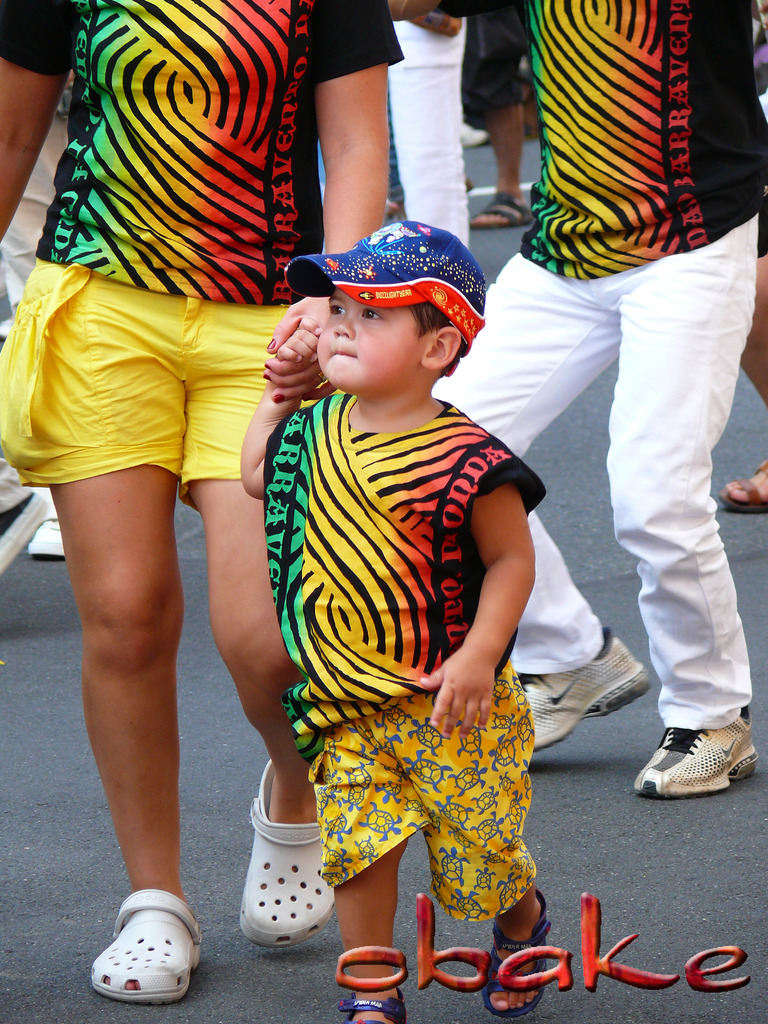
644,246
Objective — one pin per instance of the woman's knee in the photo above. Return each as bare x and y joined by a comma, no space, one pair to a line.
132,625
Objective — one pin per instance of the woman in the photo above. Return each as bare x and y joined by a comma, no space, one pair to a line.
138,352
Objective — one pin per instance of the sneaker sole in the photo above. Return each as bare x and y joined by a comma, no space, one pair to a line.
741,770
619,695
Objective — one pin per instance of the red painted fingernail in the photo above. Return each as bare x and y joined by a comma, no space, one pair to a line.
278,398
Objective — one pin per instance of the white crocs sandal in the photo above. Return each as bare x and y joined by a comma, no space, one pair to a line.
157,945
285,900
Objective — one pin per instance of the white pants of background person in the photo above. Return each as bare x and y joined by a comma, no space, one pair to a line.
18,249
425,104
19,245
678,327
11,491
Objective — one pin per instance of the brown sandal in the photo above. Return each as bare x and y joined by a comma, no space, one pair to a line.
755,501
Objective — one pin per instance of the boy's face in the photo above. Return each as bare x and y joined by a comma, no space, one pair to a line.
369,350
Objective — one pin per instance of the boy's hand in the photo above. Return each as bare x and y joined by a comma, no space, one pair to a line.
314,308
465,684
293,370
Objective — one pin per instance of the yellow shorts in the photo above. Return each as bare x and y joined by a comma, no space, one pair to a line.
382,778
98,376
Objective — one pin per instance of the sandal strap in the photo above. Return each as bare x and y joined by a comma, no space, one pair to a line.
508,207
392,1008
500,941
752,491
541,928
158,900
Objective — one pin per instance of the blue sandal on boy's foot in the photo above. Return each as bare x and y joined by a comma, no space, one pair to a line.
393,1009
500,941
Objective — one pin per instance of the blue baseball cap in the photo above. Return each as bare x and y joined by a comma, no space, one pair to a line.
401,264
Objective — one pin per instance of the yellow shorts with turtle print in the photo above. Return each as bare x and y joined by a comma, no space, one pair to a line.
380,779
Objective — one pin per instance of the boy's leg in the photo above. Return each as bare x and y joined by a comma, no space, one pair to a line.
518,924
365,908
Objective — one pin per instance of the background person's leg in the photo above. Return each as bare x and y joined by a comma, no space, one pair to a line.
754,362
425,104
684,321
21,512
545,340
11,491
541,346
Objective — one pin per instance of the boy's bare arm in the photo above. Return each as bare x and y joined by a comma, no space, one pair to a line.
465,680
268,414
291,375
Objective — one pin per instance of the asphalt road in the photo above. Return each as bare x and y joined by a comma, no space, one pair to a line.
685,876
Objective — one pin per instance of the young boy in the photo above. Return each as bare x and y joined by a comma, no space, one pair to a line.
401,561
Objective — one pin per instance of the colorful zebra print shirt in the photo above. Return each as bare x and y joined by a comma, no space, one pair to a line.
192,159
374,571
652,137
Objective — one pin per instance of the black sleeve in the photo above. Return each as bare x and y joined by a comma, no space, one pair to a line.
464,8
36,34
513,471
350,36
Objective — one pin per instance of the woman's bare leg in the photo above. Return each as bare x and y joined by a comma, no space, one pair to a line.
245,628
121,556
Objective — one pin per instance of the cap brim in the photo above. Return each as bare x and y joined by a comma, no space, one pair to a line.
306,276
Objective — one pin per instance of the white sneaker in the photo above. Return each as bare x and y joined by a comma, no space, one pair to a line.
46,544
697,762
18,525
559,700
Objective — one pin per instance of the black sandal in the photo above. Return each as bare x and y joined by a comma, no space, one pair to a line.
500,941
393,1009
511,211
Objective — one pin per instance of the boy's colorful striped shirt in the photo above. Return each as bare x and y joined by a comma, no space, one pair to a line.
374,570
